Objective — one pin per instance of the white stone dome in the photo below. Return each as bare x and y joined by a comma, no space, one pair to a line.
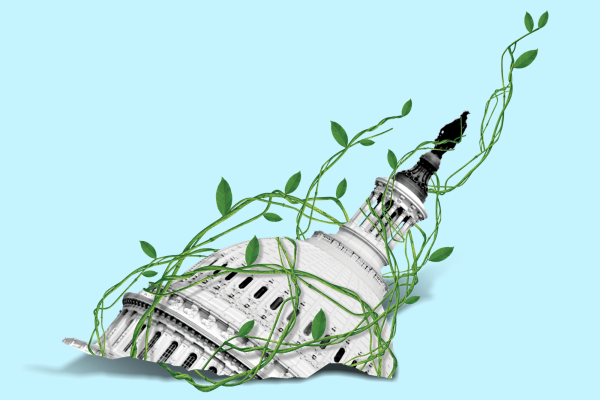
188,326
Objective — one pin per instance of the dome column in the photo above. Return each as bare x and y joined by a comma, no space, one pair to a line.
201,352
366,225
407,225
389,213
397,221
117,323
364,208
163,342
155,327
202,359
182,352
388,226
128,332
140,339
121,328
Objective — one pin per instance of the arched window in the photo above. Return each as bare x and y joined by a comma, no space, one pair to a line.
274,305
339,355
231,275
189,361
131,343
246,282
168,352
212,369
260,292
150,344
308,329
353,364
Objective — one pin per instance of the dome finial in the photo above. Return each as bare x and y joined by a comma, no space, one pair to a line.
417,177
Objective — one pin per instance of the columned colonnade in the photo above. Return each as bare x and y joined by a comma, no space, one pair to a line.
168,341
396,213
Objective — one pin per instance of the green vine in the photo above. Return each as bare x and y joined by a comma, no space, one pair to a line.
400,289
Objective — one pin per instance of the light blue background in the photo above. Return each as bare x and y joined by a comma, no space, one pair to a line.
118,120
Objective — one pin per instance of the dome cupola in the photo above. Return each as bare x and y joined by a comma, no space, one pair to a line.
400,209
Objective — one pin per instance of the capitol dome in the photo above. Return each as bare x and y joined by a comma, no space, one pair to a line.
189,325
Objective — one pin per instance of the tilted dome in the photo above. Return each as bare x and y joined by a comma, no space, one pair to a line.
189,325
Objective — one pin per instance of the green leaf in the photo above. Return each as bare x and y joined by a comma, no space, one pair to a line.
224,197
528,22
367,142
392,160
149,274
272,217
246,328
412,299
406,108
341,188
148,249
543,20
318,325
252,251
293,183
526,58
339,134
441,254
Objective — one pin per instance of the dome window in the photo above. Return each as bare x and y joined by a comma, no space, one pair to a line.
307,329
217,271
290,316
245,283
339,355
260,292
275,305
231,275
131,343
187,364
168,352
150,345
